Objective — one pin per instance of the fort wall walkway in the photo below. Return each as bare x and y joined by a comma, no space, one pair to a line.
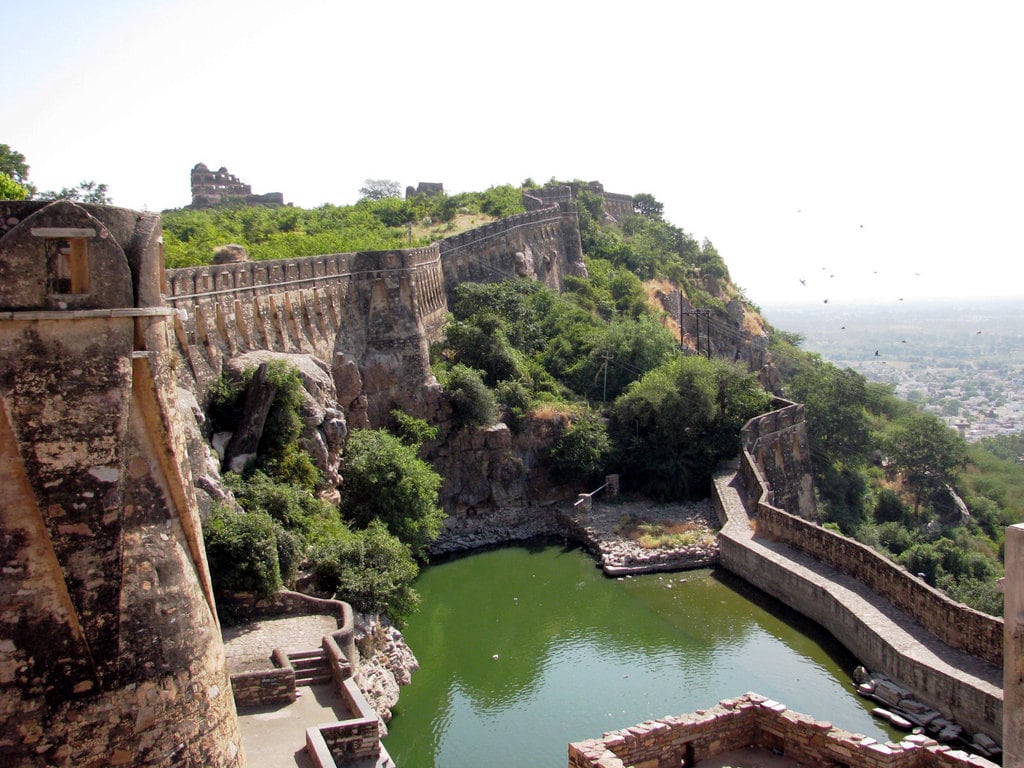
880,635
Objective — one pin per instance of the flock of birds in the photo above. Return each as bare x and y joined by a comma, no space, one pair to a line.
875,273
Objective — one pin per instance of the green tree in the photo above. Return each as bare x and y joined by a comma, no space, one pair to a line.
473,404
86,192
645,205
12,163
370,569
582,451
241,549
675,424
10,189
386,480
926,452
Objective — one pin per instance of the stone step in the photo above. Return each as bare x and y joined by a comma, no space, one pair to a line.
312,679
314,654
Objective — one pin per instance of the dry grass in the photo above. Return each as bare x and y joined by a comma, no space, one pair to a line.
551,412
664,534
438,230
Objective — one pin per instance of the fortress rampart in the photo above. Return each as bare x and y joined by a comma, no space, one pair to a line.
112,653
361,306
960,677
542,244
777,446
774,486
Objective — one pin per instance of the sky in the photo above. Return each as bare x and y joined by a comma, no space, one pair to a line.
840,151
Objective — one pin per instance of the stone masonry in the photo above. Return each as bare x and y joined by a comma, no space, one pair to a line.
112,652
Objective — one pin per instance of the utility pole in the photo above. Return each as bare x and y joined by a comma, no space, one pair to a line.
698,313
604,395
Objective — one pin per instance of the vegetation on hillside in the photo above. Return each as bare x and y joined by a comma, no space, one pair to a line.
379,221
366,550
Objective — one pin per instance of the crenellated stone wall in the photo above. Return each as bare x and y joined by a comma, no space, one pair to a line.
775,470
777,442
378,310
542,244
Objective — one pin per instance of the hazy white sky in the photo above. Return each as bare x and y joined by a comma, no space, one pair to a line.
879,142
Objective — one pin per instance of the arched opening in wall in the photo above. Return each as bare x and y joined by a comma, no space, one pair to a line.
67,258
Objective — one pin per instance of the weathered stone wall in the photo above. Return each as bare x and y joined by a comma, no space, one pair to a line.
778,444
773,483
616,206
542,244
112,649
753,721
1013,665
378,310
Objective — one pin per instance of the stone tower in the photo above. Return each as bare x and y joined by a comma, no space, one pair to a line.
110,649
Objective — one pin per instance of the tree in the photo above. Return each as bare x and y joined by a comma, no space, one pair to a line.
370,569
675,424
241,548
10,189
926,452
12,163
378,189
645,205
86,192
386,480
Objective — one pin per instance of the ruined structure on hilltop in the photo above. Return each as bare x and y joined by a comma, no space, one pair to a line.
112,653
427,188
213,188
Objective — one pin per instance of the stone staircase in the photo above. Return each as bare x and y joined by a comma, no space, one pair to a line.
310,667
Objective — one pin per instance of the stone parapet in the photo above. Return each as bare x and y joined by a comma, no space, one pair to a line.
752,721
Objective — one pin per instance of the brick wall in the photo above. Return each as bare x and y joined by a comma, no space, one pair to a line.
753,721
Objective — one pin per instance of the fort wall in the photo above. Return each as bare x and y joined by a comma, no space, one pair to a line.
379,309
542,244
961,682
774,485
112,648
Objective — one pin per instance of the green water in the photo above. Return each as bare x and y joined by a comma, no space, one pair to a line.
579,654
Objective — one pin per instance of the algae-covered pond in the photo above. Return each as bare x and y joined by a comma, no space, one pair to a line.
578,654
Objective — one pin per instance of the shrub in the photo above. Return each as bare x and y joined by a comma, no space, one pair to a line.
371,569
386,481
473,404
582,450
241,549
411,430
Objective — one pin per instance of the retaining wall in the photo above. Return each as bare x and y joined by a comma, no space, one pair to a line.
963,686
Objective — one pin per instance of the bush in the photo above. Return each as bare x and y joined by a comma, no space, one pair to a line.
293,507
371,569
386,481
241,549
473,404
582,450
411,430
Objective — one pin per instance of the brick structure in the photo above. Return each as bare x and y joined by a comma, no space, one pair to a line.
752,721
112,653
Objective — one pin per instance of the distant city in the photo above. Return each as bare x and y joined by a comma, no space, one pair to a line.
960,359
